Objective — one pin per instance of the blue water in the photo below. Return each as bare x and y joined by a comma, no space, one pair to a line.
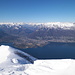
53,51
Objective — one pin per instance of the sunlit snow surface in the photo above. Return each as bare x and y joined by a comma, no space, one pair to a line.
4,52
11,63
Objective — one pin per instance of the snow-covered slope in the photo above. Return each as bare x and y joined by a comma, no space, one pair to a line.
9,54
15,62
52,67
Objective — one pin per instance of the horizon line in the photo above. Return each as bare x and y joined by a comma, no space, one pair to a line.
39,22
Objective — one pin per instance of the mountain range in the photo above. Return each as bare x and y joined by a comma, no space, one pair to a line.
29,35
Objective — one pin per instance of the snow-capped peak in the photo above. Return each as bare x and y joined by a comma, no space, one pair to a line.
64,25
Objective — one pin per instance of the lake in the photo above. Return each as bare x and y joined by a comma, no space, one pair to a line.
53,50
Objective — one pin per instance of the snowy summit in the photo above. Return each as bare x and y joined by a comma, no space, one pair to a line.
16,62
64,25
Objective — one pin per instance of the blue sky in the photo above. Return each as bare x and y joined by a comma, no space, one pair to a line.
37,10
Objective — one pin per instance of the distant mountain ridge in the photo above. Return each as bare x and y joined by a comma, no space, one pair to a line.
64,25
28,35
